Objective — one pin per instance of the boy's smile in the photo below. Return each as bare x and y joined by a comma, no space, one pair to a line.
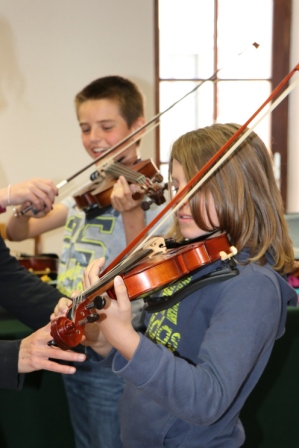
102,127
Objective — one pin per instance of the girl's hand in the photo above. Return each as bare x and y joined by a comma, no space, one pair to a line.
61,309
92,272
115,318
94,338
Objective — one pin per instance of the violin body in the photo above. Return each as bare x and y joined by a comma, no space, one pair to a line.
141,279
163,269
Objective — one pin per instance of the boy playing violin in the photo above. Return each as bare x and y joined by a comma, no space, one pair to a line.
109,109
188,376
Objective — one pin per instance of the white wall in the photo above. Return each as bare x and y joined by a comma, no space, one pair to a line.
49,51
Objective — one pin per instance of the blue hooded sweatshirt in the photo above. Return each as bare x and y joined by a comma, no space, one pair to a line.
199,360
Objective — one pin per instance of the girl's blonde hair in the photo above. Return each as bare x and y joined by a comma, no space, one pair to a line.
247,200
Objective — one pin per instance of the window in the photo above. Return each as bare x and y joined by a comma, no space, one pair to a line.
210,44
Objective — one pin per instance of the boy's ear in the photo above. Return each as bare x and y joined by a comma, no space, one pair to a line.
138,124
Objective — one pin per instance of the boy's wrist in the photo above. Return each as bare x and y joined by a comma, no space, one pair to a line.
135,213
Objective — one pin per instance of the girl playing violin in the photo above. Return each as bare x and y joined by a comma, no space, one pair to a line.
188,376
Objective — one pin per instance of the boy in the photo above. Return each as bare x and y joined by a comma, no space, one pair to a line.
108,110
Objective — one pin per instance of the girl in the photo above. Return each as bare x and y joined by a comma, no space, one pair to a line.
188,376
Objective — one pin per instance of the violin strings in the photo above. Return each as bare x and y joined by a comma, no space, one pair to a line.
117,170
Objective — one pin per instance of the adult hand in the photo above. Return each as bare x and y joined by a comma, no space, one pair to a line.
39,193
35,354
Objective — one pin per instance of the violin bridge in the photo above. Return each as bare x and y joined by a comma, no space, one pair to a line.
156,244
225,256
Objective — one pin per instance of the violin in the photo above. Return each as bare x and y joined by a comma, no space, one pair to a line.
44,266
142,276
145,174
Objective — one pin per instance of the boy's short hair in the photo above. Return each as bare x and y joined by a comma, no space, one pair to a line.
123,91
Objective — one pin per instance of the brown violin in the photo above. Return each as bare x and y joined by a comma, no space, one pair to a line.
147,271
145,174
44,266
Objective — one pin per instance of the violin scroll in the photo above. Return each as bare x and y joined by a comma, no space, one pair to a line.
155,193
68,333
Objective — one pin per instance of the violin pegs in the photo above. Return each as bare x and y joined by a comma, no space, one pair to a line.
92,318
98,302
95,175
